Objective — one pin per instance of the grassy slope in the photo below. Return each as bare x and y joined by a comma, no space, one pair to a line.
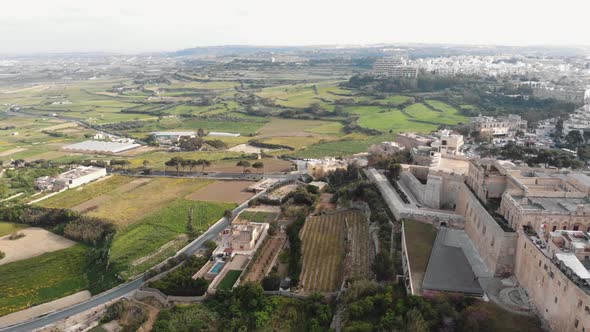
41,279
419,238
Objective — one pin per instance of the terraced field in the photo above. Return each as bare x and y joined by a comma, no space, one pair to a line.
323,252
358,253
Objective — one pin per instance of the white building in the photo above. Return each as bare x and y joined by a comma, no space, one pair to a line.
448,143
394,67
100,147
70,179
222,134
172,136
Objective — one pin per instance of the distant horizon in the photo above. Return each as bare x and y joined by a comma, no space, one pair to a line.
295,46
141,26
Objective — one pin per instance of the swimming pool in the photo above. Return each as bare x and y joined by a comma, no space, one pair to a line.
216,268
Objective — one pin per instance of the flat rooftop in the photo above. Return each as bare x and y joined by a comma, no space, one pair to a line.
173,133
101,146
79,172
552,204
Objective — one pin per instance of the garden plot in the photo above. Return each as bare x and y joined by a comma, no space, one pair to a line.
283,191
35,242
223,191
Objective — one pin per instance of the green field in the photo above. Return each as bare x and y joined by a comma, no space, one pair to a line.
420,239
41,279
150,233
341,148
73,197
257,216
229,280
415,118
9,228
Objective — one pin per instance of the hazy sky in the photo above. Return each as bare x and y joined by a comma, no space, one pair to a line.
145,25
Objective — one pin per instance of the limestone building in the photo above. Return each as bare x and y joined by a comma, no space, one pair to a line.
499,126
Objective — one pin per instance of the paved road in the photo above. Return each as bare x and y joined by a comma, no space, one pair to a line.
215,175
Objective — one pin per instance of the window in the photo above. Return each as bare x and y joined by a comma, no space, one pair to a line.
539,262
555,300
579,303
493,240
555,228
576,323
576,227
564,228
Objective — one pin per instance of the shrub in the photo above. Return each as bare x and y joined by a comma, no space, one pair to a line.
180,282
16,236
271,282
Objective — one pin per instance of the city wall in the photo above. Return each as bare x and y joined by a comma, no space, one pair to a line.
496,246
559,301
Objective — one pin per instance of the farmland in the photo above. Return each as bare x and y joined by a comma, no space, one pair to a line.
43,278
164,225
223,191
125,200
358,250
71,198
323,253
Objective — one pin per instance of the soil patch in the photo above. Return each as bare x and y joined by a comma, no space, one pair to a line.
36,241
223,191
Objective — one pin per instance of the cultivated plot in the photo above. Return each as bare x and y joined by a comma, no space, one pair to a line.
323,253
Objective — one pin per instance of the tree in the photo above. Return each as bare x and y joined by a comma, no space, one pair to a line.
200,132
175,162
271,282
204,163
574,138
191,143
146,163
383,266
415,322
192,164
258,165
228,214
394,170
189,225
243,163
586,136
